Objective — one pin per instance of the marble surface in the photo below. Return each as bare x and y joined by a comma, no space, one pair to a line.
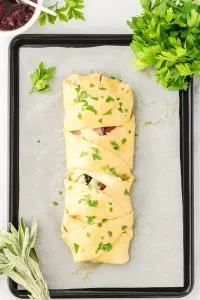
109,21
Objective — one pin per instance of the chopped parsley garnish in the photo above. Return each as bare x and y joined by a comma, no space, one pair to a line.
91,85
126,110
118,99
88,235
126,192
83,153
110,99
70,187
110,203
120,107
124,176
104,220
102,88
104,247
96,154
80,116
124,227
60,192
110,170
108,112
124,140
115,145
111,209
94,98
82,100
100,121
89,201
99,224
55,203
76,247
129,131
110,233
90,219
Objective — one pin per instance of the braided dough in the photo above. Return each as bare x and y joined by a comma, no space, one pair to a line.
99,130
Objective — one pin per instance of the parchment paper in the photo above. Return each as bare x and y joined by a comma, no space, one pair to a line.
157,250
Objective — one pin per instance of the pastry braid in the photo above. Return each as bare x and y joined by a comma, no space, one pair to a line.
99,131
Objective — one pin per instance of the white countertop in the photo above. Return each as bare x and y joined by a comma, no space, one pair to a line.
101,17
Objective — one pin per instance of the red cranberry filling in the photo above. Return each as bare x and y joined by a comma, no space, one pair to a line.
14,15
104,130
101,130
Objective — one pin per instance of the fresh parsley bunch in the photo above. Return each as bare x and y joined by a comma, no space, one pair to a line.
40,78
72,9
167,36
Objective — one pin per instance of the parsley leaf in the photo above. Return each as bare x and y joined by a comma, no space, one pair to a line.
90,219
40,78
115,145
167,37
107,113
76,247
96,155
104,247
71,9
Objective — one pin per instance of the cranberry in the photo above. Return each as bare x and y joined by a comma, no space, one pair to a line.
104,130
102,186
14,15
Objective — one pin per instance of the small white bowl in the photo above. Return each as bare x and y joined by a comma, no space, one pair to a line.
20,30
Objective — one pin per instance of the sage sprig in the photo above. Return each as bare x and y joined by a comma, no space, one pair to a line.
19,260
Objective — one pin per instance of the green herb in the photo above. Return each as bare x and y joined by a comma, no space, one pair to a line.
111,209
90,220
92,85
96,155
109,169
19,260
167,37
55,203
104,220
148,123
76,247
118,99
126,110
80,116
110,99
129,131
99,224
72,9
94,98
124,140
110,233
100,120
70,187
124,176
60,193
81,99
40,78
83,154
108,112
124,227
88,235
126,192
104,247
102,88
88,200
110,203
120,107
115,145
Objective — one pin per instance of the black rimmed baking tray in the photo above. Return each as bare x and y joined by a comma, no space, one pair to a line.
186,160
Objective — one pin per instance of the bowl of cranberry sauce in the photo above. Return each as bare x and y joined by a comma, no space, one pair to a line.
16,17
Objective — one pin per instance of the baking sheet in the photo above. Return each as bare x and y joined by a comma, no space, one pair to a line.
157,249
